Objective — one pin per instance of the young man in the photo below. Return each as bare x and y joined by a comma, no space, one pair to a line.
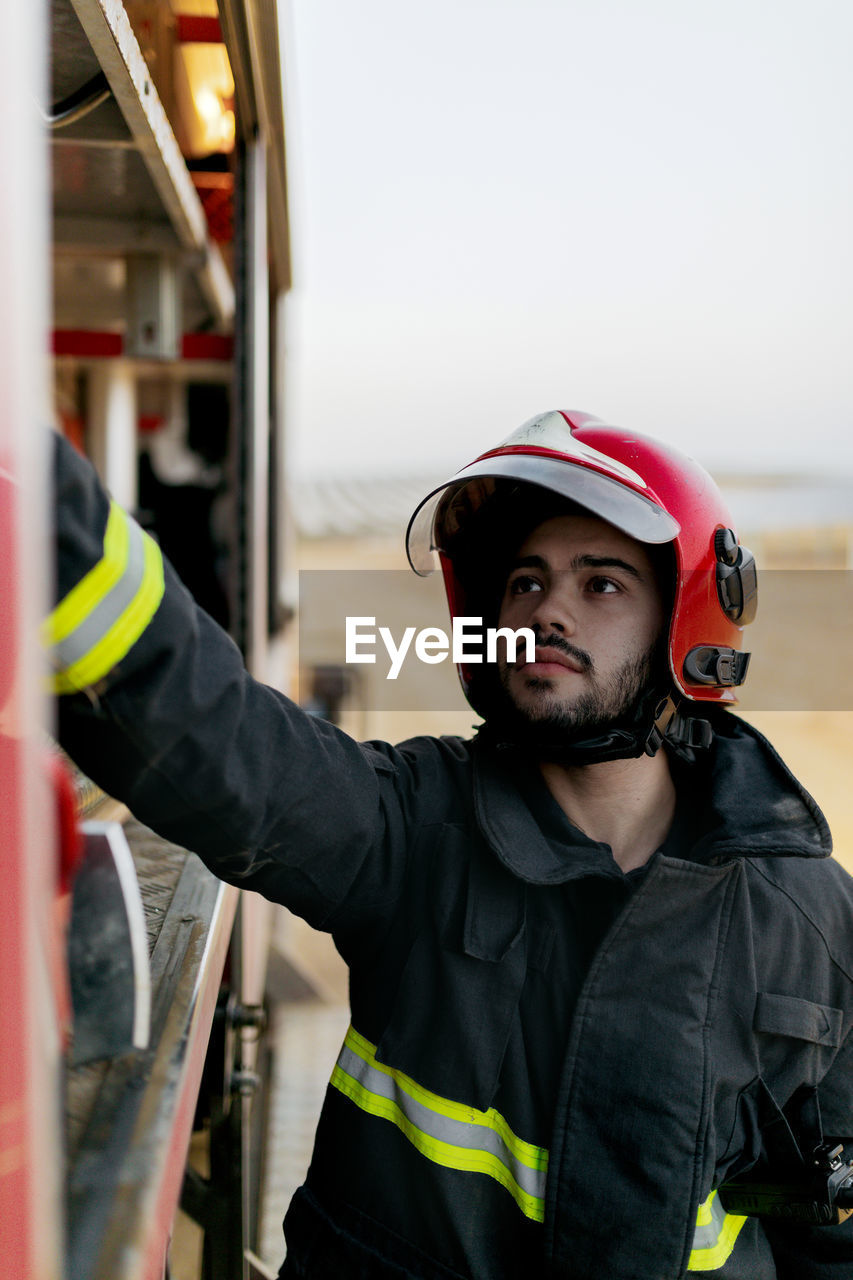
600,961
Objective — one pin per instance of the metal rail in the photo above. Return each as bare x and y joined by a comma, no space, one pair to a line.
130,1119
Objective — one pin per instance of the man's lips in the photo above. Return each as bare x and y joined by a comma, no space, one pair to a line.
550,661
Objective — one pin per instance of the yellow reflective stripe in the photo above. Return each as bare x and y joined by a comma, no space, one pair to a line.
127,629
431,1123
715,1237
97,583
534,1157
439,1152
108,610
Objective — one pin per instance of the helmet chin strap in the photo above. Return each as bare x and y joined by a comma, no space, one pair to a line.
644,736
683,733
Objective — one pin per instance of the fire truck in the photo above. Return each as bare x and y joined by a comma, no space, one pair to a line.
144,261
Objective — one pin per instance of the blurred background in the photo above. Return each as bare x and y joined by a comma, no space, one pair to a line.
501,208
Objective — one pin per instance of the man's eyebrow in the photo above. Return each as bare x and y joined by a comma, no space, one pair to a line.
606,562
579,562
530,562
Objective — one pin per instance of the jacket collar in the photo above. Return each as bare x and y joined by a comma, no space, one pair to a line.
740,797
753,806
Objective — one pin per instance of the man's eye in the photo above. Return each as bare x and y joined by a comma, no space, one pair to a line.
603,586
523,584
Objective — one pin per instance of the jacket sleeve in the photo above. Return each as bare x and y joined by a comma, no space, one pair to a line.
156,707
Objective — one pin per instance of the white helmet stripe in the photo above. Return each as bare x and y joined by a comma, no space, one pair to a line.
552,431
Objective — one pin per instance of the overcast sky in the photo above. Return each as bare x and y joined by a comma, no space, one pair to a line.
643,210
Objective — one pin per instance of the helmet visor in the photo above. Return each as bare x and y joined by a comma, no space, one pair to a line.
448,508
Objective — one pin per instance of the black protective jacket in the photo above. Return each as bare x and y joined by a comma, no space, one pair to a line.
504,1103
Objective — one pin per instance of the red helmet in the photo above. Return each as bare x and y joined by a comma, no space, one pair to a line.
647,490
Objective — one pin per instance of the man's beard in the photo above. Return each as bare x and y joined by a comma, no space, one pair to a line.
546,721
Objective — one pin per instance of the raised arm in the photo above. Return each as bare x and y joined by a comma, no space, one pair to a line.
156,706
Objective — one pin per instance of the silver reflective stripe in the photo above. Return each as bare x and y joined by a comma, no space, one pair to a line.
91,629
456,1133
707,1235
448,1133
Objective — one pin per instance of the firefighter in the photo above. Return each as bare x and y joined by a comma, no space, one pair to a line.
600,958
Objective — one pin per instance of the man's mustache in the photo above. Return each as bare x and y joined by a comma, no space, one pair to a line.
555,641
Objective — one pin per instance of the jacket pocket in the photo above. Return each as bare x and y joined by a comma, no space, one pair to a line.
760,1132
461,985
798,1019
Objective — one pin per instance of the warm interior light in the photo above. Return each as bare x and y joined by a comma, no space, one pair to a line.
204,75
208,105
217,118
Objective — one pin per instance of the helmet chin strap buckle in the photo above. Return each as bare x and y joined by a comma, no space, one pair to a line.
665,712
678,730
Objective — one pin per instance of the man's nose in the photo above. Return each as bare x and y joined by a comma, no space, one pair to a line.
557,610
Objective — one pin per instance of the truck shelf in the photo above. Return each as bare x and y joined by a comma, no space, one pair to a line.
121,184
